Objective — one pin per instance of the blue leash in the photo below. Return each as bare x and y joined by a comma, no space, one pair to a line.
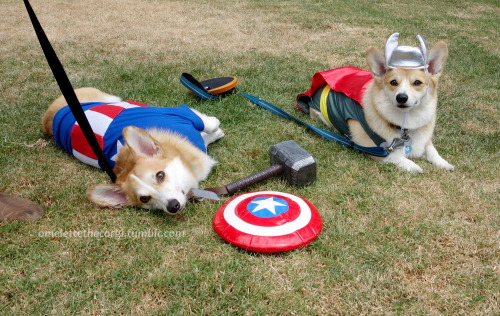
194,86
200,92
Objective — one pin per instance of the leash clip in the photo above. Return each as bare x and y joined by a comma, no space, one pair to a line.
396,143
399,142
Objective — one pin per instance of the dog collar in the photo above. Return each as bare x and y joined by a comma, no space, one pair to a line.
395,126
407,57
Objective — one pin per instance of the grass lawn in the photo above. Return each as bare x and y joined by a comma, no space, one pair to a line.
392,243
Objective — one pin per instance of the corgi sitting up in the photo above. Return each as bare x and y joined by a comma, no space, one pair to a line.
392,106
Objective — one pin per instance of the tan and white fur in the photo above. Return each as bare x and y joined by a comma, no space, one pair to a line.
155,169
394,94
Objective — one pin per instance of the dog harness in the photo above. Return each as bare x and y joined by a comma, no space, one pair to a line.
338,94
108,121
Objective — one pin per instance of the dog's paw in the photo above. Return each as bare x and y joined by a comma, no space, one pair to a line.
410,166
403,163
209,138
218,134
211,124
433,157
445,165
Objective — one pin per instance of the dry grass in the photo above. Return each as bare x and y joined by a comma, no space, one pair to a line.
146,28
392,243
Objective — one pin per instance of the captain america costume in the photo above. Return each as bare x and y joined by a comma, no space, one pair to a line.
338,95
108,121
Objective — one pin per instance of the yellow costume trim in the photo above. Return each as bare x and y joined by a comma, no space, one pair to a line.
323,103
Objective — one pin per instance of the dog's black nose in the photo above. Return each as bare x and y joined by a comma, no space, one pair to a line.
402,98
173,206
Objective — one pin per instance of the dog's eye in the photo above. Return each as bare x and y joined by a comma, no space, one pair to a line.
145,198
160,176
417,83
393,83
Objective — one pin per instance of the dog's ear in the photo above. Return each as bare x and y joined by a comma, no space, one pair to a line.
437,58
200,165
140,142
376,62
109,195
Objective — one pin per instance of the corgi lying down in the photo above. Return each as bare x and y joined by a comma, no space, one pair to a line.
158,153
398,102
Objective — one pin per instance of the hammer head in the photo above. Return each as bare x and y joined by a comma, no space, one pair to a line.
300,166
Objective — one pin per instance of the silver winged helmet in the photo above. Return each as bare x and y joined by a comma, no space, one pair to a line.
406,56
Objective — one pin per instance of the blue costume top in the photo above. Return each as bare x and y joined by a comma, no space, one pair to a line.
109,120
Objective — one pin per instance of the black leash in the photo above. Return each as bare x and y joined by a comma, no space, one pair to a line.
68,92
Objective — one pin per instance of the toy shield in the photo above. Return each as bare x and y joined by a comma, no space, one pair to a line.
268,221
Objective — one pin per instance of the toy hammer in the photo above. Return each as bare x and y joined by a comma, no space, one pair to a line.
295,165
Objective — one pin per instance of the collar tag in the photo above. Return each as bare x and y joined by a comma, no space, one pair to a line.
407,145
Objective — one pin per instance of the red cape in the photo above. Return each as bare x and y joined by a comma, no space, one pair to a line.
351,81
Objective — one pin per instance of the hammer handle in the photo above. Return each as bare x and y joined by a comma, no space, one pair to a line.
255,178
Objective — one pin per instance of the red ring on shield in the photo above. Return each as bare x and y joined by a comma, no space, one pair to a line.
268,221
242,211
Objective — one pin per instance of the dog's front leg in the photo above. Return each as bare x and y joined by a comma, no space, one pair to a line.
211,122
433,157
398,158
212,131
209,138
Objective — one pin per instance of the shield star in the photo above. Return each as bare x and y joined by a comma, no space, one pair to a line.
266,204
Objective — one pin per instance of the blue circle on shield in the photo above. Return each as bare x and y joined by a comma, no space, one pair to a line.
267,207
